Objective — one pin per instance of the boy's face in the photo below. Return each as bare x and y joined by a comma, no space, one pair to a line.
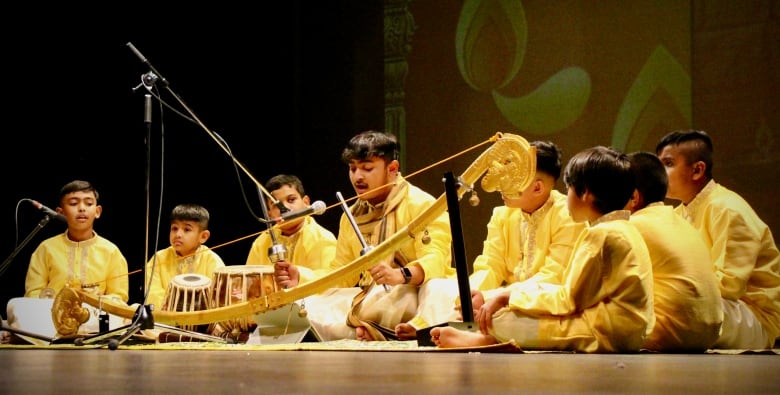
80,209
369,174
680,172
531,198
186,236
292,199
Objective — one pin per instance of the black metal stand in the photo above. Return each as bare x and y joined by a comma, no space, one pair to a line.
41,224
142,319
24,242
461,265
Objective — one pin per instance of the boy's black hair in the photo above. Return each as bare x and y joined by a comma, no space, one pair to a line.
78,186
370,144
650,176
281,180
603,171
548,158
191,212
700,148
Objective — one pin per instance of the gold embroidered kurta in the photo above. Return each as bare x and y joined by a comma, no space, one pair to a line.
169,265
59,261
605,303
311,249
520,246
742,250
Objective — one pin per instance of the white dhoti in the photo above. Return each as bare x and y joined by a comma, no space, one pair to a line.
33,315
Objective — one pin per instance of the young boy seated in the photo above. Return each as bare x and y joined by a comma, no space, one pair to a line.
686,298
309,247
187,253
77,258
605,301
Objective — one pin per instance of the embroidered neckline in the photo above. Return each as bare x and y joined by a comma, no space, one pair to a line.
612,216
690,208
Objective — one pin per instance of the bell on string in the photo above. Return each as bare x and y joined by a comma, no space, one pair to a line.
426,239
302,311
474,199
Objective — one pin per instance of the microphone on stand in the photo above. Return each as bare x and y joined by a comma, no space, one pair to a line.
151,77
48,211
147,109
316,208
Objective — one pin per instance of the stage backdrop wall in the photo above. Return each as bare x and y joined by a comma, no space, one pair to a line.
582,73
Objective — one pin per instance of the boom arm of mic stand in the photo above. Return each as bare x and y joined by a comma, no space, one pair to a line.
45,220
277,252
195,118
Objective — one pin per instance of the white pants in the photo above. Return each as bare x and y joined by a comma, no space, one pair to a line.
741,329
34,315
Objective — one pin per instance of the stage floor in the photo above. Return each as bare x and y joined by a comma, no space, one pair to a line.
379,372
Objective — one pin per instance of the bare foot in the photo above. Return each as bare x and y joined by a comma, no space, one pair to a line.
449,337
361,333
405,331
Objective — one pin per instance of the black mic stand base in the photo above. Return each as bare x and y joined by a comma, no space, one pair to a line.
25,333
142,319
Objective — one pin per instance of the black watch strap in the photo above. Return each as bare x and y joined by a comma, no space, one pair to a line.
407,274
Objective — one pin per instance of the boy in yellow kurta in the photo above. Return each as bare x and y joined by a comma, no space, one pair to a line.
743,252
605,301
371,307
189,231
306,243
688,312
79,256
531,237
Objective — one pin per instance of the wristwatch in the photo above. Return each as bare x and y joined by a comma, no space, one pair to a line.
407,274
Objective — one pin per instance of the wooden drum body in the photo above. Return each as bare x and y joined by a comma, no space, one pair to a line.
240,283
189,292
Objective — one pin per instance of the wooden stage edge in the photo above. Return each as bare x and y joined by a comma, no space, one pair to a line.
246,369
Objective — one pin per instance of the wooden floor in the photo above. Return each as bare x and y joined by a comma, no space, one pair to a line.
379,372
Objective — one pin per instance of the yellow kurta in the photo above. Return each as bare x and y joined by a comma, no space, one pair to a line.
743,253
605,303
520,246
311,249
434,257
688,312
59,261
168,265
398,303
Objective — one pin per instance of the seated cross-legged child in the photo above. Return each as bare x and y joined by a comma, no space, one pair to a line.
605,300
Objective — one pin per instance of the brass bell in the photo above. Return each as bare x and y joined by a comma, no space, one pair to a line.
426,239
474,199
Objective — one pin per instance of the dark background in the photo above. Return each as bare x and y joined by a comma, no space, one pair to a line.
280,83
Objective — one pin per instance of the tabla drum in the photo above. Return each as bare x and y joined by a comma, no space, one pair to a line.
241,283
188,292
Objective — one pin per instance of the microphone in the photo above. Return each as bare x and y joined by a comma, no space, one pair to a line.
147,108
48,211
316,208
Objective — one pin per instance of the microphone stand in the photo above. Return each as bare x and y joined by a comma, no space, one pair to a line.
153,76
143,318
42,223
24,242
277,251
